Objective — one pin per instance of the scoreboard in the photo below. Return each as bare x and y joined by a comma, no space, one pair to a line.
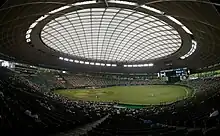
174,74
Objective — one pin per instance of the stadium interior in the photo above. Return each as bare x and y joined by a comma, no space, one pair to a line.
109,67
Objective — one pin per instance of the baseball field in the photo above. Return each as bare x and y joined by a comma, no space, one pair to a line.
136,95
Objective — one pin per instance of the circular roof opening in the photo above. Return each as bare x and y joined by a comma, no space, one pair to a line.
111,34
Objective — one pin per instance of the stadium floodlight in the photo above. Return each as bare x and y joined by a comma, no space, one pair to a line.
97,64
150,64
61,58
33,25
140,65
28,36
42,18
146,65
182,57
66,59
152,9
59,9
179,23
130,65
70,60
92,63
29,31
191,51
187,30
174,20
125,65
33,67
28,40
86,62
114,65
84,3
194,44
81,62
122,2
76,61
135,65
102,64
108,65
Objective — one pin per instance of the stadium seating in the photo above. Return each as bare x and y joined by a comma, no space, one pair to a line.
53,80
26,108
122,124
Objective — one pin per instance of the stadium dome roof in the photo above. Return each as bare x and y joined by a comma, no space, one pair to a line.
111,35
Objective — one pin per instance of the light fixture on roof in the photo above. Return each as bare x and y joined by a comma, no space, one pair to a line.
84,3
140,65
135,65
152,9
86,62
191,51
28,40
61,58
92,63
122,2
76,61
33,25
187,30
151,64
81,62
28,31
28,36
66,59
97,64
59,9
174,20
179,23
42,18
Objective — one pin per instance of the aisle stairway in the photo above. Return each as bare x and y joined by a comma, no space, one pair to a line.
82,130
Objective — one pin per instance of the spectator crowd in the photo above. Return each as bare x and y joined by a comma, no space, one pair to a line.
27,109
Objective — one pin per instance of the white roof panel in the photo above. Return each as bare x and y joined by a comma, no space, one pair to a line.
111,34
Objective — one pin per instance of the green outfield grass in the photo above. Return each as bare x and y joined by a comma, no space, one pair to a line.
137,95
